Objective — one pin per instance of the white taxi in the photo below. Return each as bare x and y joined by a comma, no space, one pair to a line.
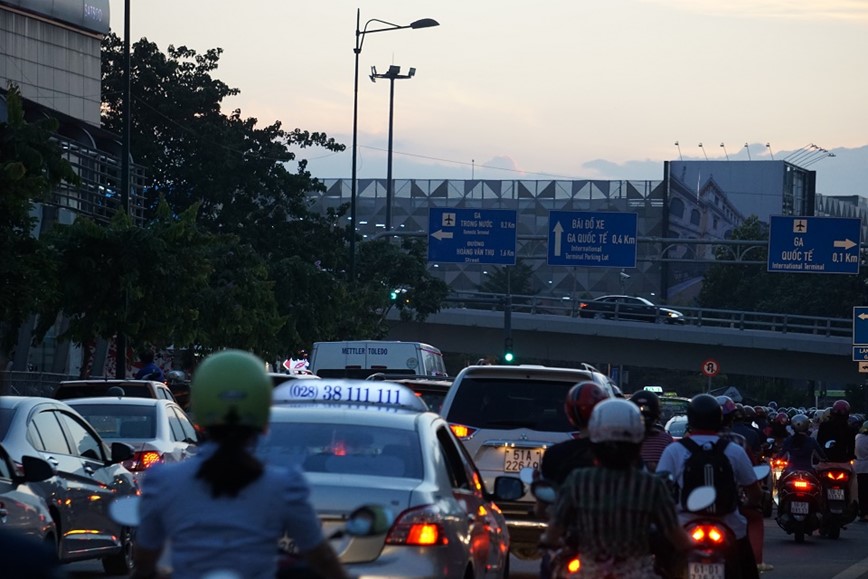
364,442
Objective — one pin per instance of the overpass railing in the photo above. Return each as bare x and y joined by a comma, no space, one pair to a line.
707,317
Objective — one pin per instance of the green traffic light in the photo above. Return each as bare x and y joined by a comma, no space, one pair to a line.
508,357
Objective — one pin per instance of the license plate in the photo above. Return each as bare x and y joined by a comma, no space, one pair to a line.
835,494
798,508
515,459
705,570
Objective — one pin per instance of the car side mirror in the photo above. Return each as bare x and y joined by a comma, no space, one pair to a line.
36,469
830,443
508,488
120,452
761,471
701,498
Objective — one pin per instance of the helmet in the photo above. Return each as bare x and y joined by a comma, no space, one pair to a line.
841,408
616,420
704,413
727,406
864,429
782,418
773,405
231,388
649,406
749,413
760,411
825,413
801,423
581,400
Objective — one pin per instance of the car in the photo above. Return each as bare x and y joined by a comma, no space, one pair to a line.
673,406
431,389
278,378
677,426
22,509
100,387
362,441
506,417
623,307
88,476
158,430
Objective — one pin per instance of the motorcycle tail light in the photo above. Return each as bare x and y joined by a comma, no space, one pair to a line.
462,432
801,484
836,475
142,460
779,463
706,534
573,565
420,527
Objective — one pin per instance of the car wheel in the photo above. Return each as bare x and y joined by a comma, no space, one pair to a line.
121,563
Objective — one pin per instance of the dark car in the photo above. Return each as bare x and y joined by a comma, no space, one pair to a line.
87,477
101,387
621,307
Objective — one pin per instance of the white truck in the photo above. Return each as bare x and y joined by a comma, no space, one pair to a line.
361,358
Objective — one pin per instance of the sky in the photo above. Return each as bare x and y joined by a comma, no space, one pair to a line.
556,89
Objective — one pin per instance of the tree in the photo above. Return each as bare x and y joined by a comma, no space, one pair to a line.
31,164
515,280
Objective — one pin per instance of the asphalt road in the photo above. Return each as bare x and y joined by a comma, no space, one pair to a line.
816,558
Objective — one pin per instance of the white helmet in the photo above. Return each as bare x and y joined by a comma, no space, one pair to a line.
616,420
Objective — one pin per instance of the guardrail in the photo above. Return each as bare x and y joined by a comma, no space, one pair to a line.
704,317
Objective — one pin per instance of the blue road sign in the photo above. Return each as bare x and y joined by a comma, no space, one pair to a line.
592,239
860,326
860,353
471,235
814,244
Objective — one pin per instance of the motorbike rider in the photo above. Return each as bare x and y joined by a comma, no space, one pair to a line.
705,419
606,512
223,510
656,437
838,441
862,470
800,448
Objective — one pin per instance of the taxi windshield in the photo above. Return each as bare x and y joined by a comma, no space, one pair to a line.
343,449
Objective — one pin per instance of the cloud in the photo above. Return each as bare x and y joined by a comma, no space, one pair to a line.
848,10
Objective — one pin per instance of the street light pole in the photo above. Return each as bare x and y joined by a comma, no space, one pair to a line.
360,39
392,74
121,340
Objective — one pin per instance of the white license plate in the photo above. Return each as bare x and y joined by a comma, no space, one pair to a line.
515,459
705,570
798,508
835,494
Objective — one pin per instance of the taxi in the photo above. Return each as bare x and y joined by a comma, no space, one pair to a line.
360,442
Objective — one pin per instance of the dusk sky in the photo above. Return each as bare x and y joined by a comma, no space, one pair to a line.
556,89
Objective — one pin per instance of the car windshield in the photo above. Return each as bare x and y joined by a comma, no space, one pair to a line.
344,449
121,420
499,404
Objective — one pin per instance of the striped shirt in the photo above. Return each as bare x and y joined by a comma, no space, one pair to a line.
610,511
653,445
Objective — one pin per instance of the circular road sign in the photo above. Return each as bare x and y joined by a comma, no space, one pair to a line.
710,367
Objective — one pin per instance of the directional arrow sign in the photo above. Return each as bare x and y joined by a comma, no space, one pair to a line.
860,326
592,239
814,244
860,353
863,367
471,235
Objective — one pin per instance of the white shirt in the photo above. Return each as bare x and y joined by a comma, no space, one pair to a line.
861,454
672,461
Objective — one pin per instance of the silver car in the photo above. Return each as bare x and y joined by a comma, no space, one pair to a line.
22,510
158,430
87,477
506,417
376,442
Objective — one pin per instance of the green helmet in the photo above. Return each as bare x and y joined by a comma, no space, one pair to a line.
231,388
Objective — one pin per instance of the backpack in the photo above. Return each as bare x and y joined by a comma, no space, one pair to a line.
708,465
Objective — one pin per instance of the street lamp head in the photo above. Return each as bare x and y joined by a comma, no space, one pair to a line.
373,76
412,72
394,70
424,23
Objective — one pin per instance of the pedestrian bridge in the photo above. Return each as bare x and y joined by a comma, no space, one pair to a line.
750,343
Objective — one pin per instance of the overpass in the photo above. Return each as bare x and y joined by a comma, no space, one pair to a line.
748,343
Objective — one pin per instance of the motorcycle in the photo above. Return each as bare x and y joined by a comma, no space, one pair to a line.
561,561
800,504
838,509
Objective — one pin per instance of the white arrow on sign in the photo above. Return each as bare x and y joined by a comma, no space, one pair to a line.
863,367
862,316
559,230
440,234
846,244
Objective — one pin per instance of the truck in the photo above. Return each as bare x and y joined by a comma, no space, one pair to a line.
361,358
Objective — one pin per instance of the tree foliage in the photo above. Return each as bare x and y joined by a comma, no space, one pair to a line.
752,288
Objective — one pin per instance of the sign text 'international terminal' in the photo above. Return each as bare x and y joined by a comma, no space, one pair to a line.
592,239
799,244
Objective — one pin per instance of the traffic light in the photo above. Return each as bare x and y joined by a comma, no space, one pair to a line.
508,354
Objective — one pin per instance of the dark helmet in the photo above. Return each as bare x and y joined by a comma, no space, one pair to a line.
704,413
748,413
782,418
760,411
773,405
841,408
649,406
580,401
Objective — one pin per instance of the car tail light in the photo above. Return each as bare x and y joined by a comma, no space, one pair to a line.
420,526
462,432
143,460
582,305
707,534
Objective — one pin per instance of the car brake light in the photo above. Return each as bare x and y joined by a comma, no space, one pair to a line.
420,526
143,460
461,431
583,305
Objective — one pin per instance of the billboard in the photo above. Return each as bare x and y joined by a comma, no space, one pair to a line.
89,15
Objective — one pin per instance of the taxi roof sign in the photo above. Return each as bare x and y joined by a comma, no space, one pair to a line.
655,389
351,392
